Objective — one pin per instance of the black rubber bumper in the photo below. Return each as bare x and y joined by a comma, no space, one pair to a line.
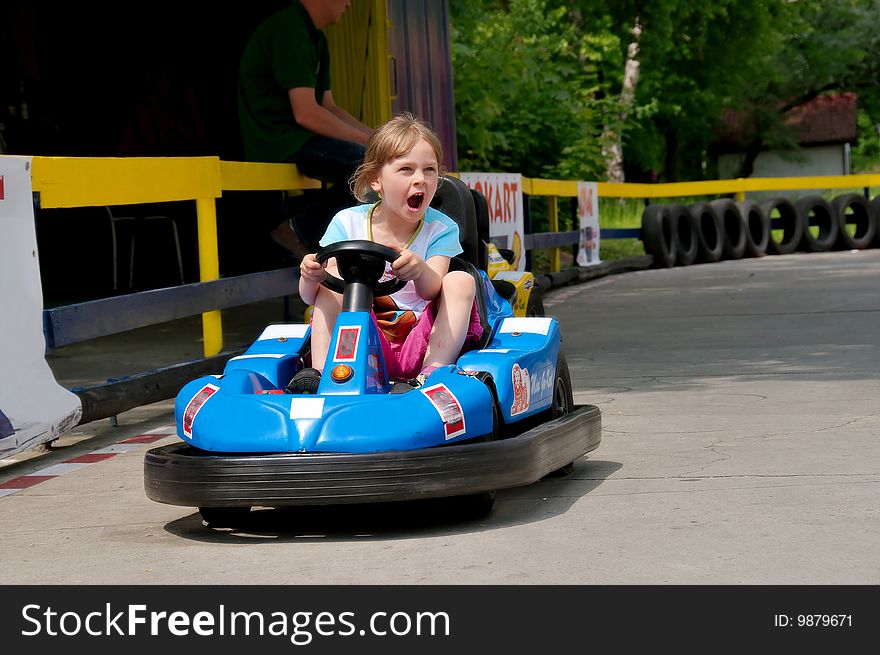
179,474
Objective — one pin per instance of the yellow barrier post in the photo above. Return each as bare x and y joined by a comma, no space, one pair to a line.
209,269
554,227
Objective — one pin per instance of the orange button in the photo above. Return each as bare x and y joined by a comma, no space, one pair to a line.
341,373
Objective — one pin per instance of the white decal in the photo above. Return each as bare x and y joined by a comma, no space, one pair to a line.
284,331
306,407
531,325
542,383
259,356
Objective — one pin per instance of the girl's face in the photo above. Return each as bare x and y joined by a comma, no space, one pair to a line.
408,183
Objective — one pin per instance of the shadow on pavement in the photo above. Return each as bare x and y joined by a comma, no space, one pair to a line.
403,520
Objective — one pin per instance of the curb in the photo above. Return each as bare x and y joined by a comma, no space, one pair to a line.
578,274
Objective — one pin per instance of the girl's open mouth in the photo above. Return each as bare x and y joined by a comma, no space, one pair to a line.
415,200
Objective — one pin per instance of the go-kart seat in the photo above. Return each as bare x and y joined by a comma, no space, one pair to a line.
482,209
455,199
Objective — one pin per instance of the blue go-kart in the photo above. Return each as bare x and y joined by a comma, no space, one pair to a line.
502,416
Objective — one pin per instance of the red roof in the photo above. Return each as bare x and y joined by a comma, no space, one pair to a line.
826,119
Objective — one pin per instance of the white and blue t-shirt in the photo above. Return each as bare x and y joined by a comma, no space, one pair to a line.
437,234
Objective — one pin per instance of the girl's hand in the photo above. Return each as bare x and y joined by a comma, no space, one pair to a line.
311,270
409,266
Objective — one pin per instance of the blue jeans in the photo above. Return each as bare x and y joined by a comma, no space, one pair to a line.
334,162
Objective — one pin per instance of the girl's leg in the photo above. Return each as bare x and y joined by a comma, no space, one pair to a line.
453,316
327,307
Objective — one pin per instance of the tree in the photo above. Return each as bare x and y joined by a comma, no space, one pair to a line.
825,46
527,89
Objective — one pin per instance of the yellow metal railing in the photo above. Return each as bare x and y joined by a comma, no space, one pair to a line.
554,189
92,181
739,186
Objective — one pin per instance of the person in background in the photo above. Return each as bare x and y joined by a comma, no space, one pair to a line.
287,114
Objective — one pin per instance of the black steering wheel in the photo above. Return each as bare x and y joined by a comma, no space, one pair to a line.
360,261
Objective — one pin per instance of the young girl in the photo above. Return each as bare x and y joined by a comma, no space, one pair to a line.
427,323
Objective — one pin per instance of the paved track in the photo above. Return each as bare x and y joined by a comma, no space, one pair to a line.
741,423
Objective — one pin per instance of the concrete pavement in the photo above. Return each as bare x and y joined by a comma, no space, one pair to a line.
740,445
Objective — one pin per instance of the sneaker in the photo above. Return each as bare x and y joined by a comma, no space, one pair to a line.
306,381
402,386
285,237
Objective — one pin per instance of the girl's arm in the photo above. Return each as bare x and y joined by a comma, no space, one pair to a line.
312,274
427,276
429,283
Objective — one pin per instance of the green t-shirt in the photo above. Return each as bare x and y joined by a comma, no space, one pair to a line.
285,52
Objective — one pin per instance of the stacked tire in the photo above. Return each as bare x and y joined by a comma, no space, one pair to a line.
710,231
704,232
854,210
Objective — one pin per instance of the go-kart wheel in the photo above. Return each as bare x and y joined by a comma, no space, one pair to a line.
535,306
224,517
563,403
474,506
361,261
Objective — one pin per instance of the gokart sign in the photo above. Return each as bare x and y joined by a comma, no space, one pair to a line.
503,193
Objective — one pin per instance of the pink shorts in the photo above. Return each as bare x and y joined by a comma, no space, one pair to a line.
404,360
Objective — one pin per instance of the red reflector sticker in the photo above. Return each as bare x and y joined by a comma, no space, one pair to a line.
448,407
2,191
195,404
347,344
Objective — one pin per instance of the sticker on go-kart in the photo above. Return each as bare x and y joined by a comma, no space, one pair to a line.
448,407
542,383
521,390
195,405
347,344
378,372
284,331
306,408
259,356
530,325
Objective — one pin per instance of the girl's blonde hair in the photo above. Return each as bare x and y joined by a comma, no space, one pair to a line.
390,141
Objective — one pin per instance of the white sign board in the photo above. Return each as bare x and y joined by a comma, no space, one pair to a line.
34,409
503,192
588,224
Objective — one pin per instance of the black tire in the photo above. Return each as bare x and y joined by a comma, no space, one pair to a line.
478,505
684,233
854,209
225,517
788,221
710,231
816,212
757,228
734,228
563,403
874,206
535,306
657,235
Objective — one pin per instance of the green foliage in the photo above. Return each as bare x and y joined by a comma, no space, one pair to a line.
538,81
528,93
866,155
